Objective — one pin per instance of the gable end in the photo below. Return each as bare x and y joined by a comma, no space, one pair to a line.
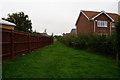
101,14
80,15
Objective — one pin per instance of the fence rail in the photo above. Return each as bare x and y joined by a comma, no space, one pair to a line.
15,43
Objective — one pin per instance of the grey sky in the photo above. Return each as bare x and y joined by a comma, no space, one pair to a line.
57,16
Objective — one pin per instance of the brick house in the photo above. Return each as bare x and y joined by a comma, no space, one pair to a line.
72,32
101,23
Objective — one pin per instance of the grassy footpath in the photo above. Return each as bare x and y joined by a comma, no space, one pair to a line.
60,61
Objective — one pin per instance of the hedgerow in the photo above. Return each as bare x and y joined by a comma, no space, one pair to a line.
93,43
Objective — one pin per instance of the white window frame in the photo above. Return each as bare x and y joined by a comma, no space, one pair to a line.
113,25
102,23
103,34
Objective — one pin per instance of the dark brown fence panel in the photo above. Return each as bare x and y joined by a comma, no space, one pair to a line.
20,43
6,43
15,43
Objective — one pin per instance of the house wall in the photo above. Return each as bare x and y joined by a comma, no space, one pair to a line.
84,25
8,27
103,17
112,30
69,34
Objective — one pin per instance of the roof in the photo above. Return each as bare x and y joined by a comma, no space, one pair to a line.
113,15
45,34
91,15
73,31
94,14
3,22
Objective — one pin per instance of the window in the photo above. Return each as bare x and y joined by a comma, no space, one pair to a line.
113,24
102,23
103,34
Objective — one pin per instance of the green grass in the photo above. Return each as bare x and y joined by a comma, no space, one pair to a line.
60,61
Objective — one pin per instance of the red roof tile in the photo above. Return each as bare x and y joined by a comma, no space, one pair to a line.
113,15
91,14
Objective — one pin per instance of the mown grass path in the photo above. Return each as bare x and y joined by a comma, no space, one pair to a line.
60,61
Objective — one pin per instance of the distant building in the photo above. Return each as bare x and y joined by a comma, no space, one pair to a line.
72,32
101,23
119,7
7,25
45,34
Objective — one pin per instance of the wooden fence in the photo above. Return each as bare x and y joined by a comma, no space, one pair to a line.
16,43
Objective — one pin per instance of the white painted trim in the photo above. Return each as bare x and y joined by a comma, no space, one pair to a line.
101,25
110,27
102,13
3,22
85,15
94,26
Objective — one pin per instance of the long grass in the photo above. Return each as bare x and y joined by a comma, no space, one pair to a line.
60,61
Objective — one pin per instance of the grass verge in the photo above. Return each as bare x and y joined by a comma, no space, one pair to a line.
60,61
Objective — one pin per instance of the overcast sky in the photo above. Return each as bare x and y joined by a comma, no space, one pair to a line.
57,16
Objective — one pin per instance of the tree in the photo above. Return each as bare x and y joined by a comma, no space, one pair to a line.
21,20
117,31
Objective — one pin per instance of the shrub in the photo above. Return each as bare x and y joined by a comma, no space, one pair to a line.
94,43
57,38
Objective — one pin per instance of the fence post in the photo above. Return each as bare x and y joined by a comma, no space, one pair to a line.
28,42
12,44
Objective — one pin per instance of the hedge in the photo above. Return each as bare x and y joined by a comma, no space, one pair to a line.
93,43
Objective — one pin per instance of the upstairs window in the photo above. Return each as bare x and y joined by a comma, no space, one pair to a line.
102,23
113,24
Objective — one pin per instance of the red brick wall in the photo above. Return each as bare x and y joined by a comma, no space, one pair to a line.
103,17
69,34
84,25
